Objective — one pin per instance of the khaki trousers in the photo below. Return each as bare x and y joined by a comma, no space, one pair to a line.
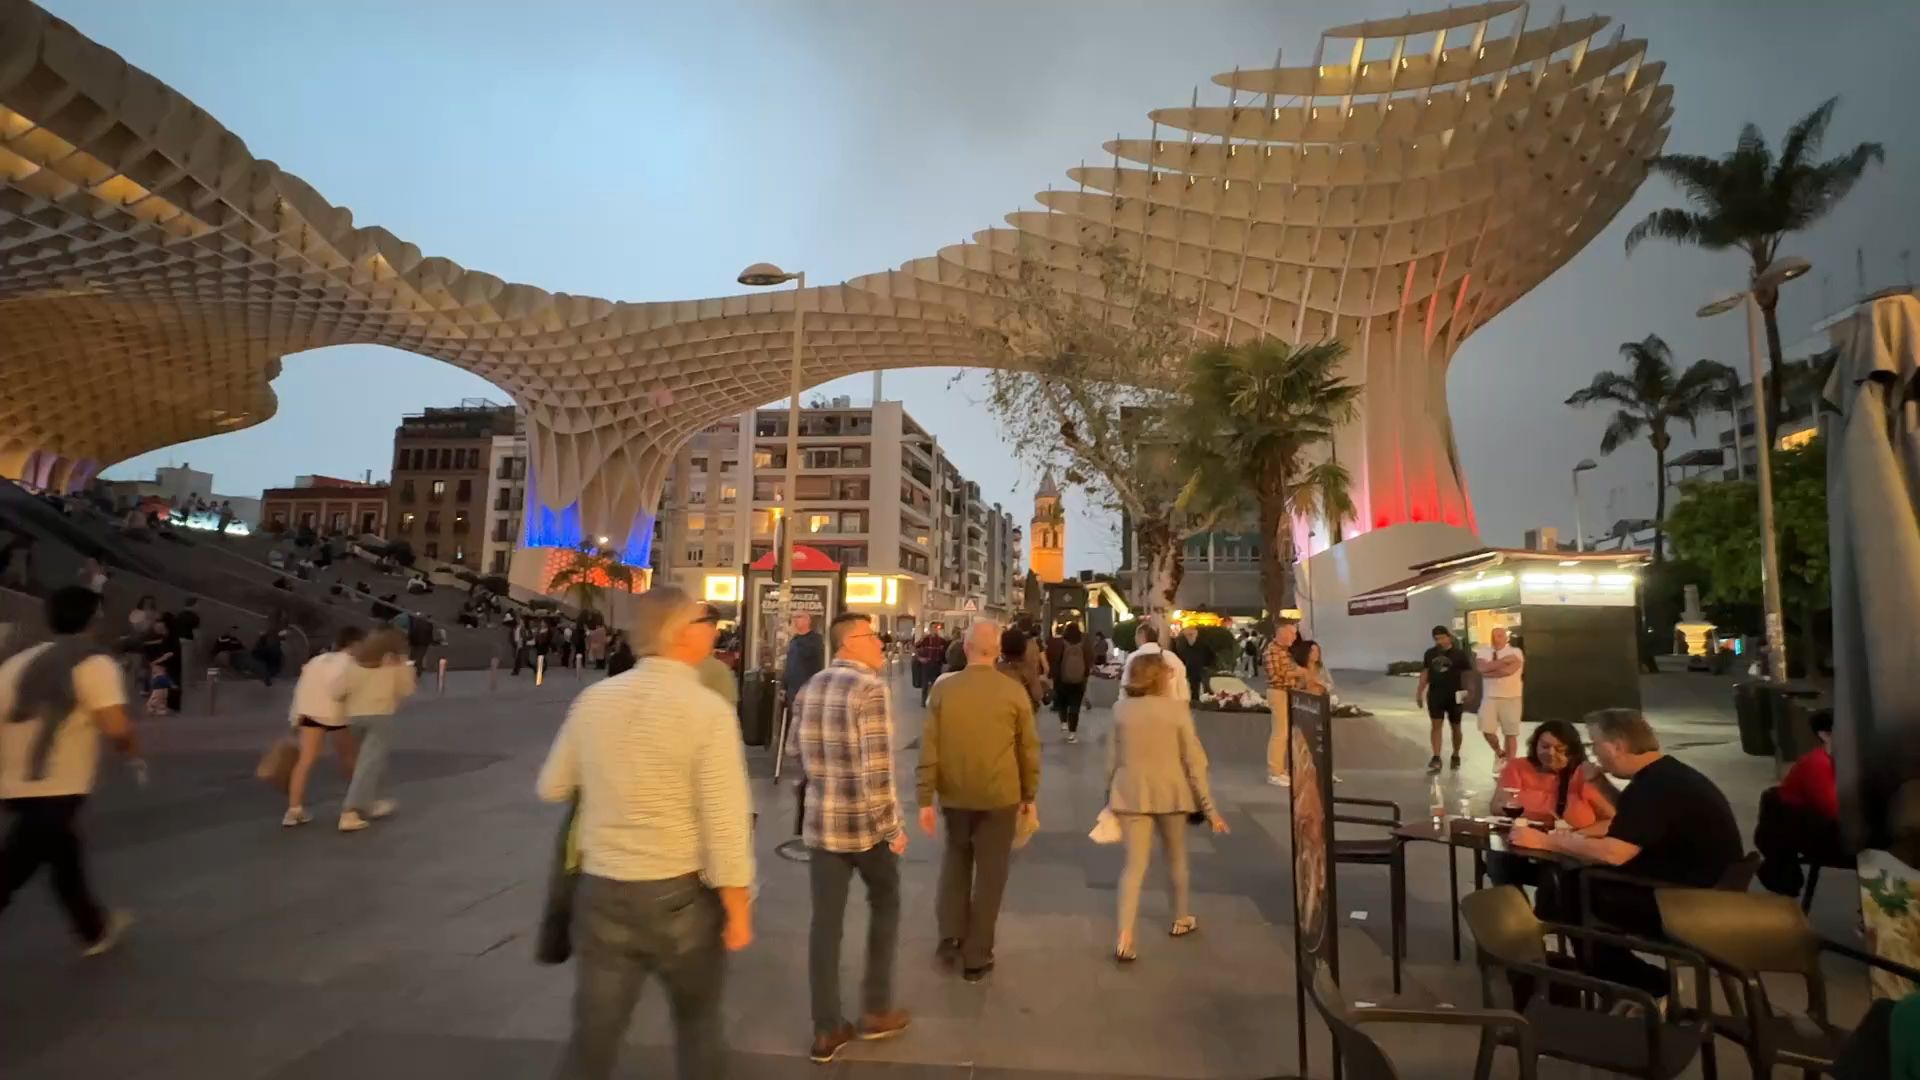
1137,830
1277,738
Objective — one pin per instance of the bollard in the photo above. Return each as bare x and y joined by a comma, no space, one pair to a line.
213,691
443,676
493,674
579,667
540,670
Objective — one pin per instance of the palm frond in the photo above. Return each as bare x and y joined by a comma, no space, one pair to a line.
1607,387
1702,178
1803,138
1828,182
1679,226
1623,428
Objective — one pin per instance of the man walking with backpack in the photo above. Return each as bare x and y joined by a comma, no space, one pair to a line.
56,700
419,640
1071,658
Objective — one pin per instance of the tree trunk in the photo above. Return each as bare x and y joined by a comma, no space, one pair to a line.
1776,364
1276,554
1659,439
1160,553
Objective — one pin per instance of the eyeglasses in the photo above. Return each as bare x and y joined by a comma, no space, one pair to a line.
708,616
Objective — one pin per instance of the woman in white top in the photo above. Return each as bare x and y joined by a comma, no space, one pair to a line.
319,712
1316,669
381,678
1156,776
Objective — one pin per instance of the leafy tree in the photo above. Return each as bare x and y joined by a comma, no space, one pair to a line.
1648,398
587,577
1750,200
1714,526
1262,416
1084,363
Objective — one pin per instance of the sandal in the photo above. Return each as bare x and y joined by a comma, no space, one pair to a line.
1124,954
1182,926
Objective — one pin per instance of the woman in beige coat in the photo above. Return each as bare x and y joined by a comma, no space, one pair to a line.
1156,776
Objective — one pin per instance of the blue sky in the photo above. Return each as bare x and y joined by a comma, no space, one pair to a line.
647,152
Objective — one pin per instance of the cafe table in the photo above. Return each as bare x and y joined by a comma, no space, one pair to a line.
1483,836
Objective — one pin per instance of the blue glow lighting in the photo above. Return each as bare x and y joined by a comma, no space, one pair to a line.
639,548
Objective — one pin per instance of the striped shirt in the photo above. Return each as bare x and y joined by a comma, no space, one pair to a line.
843,734
656,761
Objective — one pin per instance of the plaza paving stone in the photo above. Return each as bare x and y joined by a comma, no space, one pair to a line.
405,951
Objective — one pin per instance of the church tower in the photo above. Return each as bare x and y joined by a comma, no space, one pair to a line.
1048,558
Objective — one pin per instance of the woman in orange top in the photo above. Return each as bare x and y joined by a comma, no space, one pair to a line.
1553,782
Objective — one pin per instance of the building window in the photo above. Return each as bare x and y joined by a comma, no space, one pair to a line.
278,521
851,490
406,521
697,495
406,490
306,519
696,523
725,553
337,523
433,549
499,562
768,490
729,493
367,519
818,523
433,521
459,523
769,459
439,489
460,553
466,491
503,499
696,553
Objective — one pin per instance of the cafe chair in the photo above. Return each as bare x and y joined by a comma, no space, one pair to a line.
1363,1059
1389,851
1746,936
1738,878
1576,1017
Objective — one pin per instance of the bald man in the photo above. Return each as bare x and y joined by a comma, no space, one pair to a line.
980,757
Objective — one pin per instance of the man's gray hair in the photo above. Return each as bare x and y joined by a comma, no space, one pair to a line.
843,626
1628,727
659,614
983,640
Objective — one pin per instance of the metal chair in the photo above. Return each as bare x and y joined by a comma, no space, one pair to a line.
1389,851
1745,936
1363,1059
1656,1044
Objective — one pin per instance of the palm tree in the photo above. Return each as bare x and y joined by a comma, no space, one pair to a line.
581,580
1647,398
1750,201
1260,413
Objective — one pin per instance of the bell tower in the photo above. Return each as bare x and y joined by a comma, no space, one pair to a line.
1048,556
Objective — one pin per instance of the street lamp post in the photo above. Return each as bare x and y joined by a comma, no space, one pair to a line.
1776,274
1579,527
768,274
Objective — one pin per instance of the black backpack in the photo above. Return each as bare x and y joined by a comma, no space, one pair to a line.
420,631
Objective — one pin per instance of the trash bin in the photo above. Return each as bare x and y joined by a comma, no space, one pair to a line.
757,694
1756,723
1787,707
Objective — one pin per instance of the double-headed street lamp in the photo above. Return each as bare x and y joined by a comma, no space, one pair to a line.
768,274
1777,273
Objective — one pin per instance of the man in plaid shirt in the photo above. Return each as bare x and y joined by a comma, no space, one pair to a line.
1283,675
843,734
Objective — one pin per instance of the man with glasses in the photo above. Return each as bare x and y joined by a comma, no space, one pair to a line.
843,735
664,826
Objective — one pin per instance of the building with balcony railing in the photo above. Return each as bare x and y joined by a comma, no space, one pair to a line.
444,465
875,493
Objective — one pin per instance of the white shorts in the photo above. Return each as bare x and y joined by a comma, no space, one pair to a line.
1500,714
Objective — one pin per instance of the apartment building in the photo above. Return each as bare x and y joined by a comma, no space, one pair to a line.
876,494
1219,571
328,505
507,469
441,495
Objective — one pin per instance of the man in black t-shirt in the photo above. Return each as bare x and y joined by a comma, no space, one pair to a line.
1442,672
1671,824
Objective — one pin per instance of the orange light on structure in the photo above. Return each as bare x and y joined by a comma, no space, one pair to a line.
559,559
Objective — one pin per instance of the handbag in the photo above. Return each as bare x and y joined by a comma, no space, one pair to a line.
276,765
554,943
1106,828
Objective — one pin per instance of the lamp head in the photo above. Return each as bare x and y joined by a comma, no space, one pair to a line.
1724,304
1781,271
764,274
1585,464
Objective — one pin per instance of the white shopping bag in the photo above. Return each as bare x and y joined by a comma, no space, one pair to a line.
1106,828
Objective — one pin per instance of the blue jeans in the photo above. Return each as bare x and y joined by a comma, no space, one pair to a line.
624,931
371,765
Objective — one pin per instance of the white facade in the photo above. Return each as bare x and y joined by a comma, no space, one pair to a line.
507,478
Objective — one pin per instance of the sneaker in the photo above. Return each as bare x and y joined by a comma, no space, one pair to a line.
382,808
1433,764
1064,730
351,821
1452,763
974,975
1280,781
295,815
827,1045
110,935
883,1025
1073,736
948,952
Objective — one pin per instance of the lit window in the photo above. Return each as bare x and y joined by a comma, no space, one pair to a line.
439,488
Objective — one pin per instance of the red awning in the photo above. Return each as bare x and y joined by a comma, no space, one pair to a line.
806,560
